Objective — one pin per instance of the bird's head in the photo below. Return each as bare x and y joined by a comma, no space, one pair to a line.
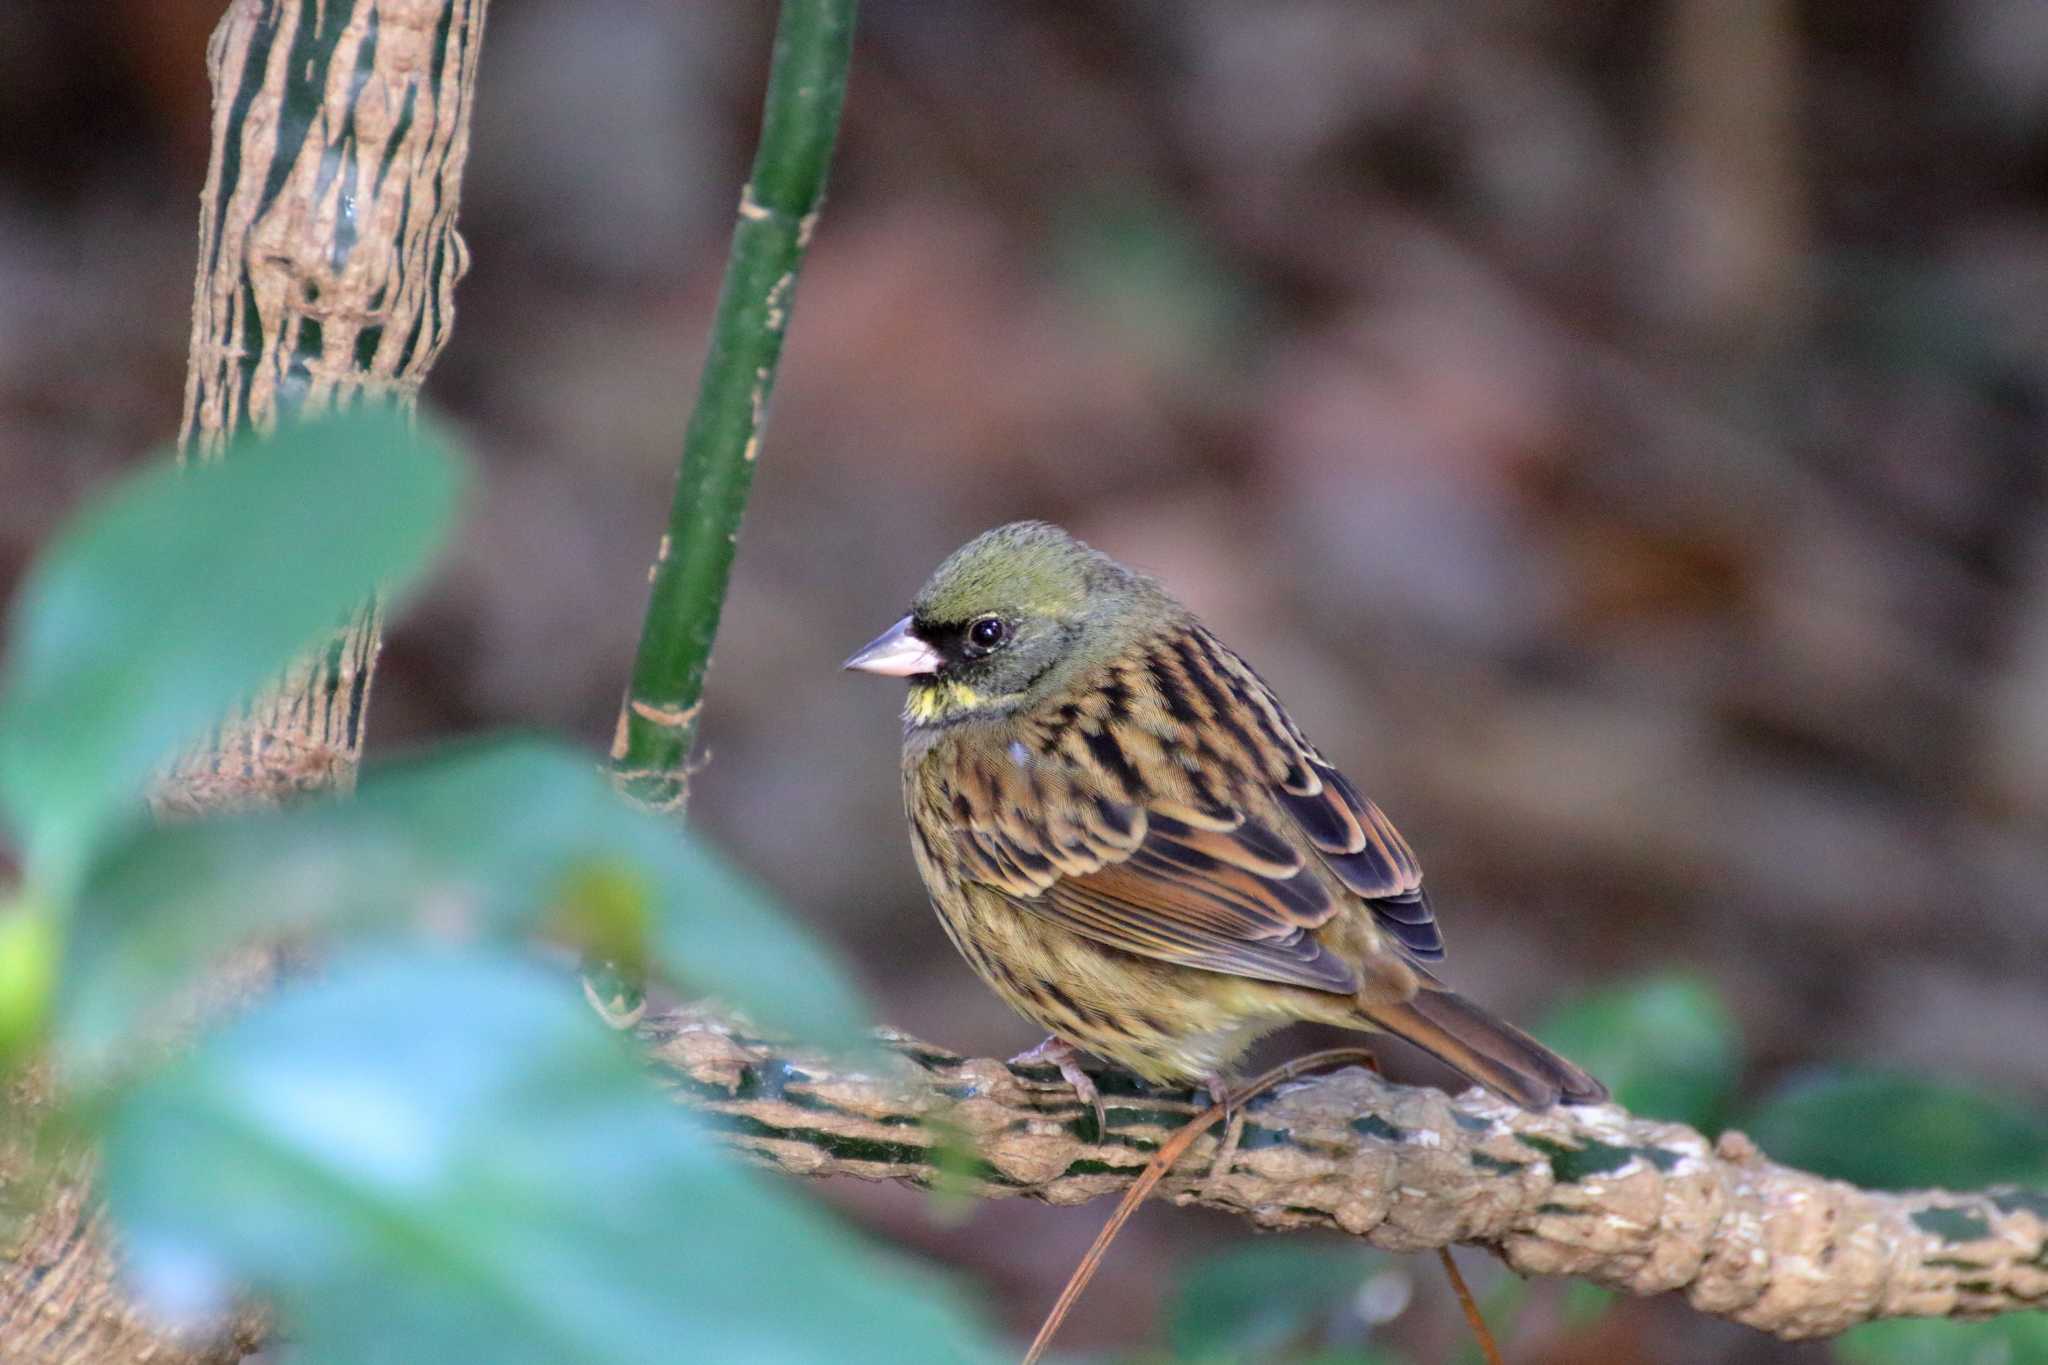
1004,621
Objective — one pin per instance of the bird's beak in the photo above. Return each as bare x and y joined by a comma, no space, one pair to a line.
896,653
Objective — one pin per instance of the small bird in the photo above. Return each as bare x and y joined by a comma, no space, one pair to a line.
1129,839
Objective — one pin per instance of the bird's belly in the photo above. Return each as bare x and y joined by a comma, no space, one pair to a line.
1169,1024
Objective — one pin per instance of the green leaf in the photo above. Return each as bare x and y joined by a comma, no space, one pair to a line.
497,838
2015,1339
1666,1046
28,976
179,592
1887,1131
1584,1303
1254,1300
432,1157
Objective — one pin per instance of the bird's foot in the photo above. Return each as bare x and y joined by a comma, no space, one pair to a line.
1233,1131
1064,1055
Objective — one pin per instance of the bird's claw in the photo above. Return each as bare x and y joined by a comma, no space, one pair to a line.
1064,1055
1233,1133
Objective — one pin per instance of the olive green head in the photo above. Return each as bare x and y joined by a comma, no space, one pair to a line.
1007,619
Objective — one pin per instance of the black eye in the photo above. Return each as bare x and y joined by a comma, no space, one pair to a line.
987,633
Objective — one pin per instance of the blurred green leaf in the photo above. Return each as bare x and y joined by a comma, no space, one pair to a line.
178,592
1584,1303
2015,1339
496,838
957,1167
1251,1301
28,976
1153,279
1666,1046
1887,1131
431,1157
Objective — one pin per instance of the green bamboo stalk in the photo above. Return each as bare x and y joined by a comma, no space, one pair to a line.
778,210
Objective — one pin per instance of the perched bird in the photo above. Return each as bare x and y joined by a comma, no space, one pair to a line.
1127,836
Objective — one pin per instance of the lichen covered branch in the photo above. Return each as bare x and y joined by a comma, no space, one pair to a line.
1630,1203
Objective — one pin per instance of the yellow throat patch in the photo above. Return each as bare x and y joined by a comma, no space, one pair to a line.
943,699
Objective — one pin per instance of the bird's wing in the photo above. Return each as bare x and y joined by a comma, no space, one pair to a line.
1082,825
1357,842
1164,881
1352,835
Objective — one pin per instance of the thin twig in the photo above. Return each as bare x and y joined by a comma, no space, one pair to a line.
1487,1346
1162,1161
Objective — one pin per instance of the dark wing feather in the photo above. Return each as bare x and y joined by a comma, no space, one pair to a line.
1074,826
1412,923
1353,836
1367,853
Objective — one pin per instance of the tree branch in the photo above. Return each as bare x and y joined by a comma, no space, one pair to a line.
1633,1204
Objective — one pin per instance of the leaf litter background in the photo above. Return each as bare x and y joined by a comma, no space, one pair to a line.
1618,431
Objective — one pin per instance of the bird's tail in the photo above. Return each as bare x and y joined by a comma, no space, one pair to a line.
1490,1051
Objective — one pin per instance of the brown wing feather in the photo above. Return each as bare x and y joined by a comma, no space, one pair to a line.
1128,817
1129,909
1237,900
1353,836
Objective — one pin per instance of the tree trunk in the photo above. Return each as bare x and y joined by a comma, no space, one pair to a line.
328,259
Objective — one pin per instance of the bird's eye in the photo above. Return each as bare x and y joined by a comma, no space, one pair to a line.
987,633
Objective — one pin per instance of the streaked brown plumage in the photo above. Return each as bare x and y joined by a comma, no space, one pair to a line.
1130,840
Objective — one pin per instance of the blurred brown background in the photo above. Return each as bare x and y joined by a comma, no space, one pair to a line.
1617,429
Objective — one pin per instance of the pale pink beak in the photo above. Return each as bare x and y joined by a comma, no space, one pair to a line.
896,653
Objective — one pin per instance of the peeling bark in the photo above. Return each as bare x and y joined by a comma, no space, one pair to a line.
328,259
